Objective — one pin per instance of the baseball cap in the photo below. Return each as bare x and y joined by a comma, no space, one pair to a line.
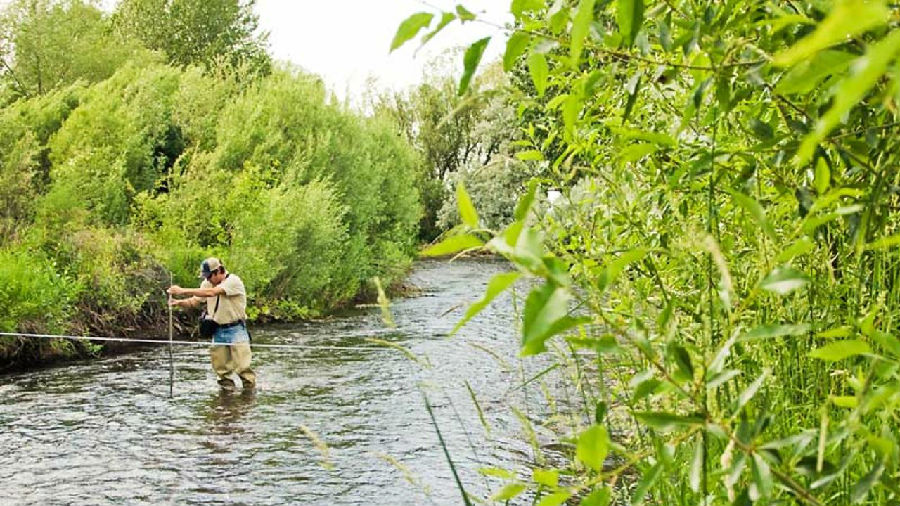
209,266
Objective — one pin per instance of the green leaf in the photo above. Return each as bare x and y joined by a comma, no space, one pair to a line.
836,332
718,361
635,152
555,499
694,478
508,492
721,378
666,422
515,47
559,17
632,86
647,480
840,350
822,176
464,14
446,19
616,266
800,247
546,477
592,447
496,286
410,27
537,67
784,280
751,390
865,72
644,388
453,244
844,401
600,412
571,108
755,210
760,129
543,307
630,16
497,472
847,19
470,61
467,212
807,75
523,246
888,342
762,476
532,155
519,7
769,331
525,201
682,360
861,489
580,27
599,497
536,345
641,135
882,244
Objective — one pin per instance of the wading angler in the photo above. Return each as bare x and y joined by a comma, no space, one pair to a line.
224,320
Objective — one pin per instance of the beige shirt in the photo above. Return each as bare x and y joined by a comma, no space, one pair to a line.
232,304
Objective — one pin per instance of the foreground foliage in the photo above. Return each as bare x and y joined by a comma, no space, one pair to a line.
720,276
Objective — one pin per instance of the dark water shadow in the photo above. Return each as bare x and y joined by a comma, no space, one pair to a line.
225,409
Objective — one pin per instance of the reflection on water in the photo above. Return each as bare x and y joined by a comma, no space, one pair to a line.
106,431
226,408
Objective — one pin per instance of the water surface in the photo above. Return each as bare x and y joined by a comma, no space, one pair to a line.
105,431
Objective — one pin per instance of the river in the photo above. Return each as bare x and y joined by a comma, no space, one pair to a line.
345,427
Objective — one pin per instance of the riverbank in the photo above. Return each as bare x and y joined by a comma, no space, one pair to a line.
24,353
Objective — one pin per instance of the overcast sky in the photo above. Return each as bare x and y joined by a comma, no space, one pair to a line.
345,41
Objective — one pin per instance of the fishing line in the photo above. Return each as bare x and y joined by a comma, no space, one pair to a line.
195,343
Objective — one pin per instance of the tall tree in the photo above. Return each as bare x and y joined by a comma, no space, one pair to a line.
201,32
448,129
46,44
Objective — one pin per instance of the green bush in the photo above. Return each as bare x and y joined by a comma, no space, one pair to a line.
25,128
156,168
34,294
288,244
118,142
371,170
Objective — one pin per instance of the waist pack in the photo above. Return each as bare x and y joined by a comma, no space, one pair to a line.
208,326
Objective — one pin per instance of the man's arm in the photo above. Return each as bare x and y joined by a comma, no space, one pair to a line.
191,302
196,292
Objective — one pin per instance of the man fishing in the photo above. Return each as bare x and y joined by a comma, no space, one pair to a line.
226,304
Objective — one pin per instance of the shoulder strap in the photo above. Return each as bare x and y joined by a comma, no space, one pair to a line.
217,306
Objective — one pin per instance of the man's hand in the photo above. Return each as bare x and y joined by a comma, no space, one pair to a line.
175,290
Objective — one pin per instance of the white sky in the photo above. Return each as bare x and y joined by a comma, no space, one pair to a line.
347,41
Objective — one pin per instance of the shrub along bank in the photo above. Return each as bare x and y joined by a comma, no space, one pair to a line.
112,189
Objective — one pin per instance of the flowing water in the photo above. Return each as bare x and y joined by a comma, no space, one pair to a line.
323,427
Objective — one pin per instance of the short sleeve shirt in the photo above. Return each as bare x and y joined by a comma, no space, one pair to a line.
232,304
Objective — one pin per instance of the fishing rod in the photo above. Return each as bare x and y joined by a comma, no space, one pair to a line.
171,359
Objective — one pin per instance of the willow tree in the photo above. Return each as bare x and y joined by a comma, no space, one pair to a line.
197,32
48,44
728,229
